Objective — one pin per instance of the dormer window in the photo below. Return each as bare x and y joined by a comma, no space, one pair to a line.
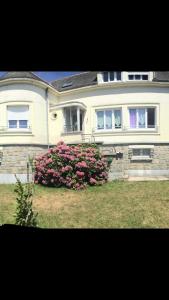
137,75
111,76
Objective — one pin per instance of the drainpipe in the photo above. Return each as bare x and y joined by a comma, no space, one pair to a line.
47,116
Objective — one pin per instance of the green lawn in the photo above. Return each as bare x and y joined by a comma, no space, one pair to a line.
119,204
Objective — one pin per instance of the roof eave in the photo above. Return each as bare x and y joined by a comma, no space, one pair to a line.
115,85
28,80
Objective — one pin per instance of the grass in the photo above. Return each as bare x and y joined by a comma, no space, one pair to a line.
118,204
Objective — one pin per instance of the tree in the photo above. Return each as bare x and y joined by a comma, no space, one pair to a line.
24,212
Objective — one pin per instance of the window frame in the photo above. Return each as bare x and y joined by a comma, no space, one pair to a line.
113,120
80,125
115,77
146,128
138,73
141,157
18,128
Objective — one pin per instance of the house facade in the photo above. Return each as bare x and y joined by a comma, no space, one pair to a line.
125,113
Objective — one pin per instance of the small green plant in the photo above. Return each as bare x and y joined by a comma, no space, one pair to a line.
24,212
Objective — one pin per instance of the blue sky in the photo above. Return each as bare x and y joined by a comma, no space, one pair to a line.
50,76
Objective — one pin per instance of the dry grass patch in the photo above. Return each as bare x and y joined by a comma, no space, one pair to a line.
52,201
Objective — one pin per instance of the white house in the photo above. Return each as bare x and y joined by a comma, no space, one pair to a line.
125,113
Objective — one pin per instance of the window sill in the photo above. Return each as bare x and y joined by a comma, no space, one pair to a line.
108,130
72,133
141,158
16,132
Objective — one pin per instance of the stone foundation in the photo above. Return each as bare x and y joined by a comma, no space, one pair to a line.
124,166
13,160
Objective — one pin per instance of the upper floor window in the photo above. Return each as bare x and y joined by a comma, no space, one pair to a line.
137,75
142,117
18,116
108,119
111,76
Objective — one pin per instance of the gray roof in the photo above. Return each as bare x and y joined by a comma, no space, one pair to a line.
75,81
20,75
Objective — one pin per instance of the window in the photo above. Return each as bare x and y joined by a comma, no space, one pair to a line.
141,152
108,119
111,76
142,117
74,117
137,76
18,116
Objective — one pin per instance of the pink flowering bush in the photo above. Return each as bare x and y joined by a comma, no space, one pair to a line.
74,167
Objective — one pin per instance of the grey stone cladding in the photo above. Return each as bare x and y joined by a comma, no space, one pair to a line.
157,165
14,158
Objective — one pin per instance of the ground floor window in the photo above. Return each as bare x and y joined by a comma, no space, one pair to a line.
109,119
142,117
141,152
74,117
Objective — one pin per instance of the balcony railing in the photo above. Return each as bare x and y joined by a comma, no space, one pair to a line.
71,129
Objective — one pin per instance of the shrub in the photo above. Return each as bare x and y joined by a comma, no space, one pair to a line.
71,166
24,212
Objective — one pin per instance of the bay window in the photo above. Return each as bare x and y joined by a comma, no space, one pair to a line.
142,117
108,119
18,116
73,119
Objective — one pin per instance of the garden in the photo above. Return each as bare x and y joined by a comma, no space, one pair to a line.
71,191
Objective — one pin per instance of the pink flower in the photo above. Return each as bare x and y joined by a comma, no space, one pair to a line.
72,157
49,161
93,181
81,164
67,168
80,174
56,174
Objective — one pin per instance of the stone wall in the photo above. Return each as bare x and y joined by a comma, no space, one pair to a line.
124,167
13,160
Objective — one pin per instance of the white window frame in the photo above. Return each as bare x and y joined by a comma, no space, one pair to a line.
138,73
115,77
113,120
78,109
17,128
146,118
141,156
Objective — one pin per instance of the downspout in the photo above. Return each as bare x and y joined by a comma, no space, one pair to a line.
47,116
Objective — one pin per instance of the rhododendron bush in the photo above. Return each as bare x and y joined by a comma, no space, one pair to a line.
71,166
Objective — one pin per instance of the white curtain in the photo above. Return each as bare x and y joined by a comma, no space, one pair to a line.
108,119
100,120
117,118
141,118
